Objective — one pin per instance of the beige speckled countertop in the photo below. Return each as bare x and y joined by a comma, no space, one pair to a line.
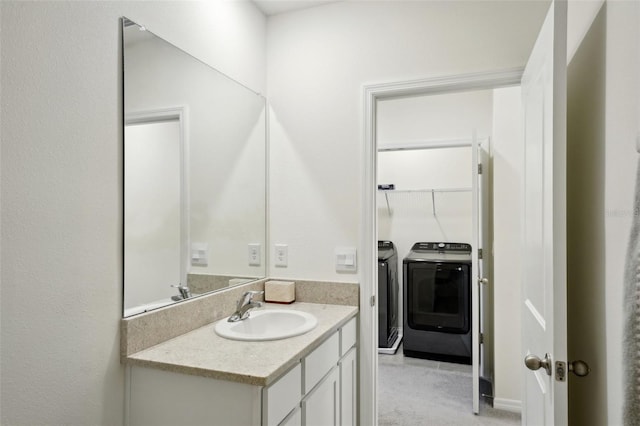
203,353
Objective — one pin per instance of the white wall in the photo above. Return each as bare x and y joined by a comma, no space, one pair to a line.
428,118
61,190
408,217
452,116
318,61
621,160
586,251
507,158
603,123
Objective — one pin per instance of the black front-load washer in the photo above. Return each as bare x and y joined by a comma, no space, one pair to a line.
387,294
437,302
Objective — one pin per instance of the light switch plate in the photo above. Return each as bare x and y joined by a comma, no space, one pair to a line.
255,258
199,254
346,259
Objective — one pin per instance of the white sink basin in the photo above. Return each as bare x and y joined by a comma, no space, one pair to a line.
268,324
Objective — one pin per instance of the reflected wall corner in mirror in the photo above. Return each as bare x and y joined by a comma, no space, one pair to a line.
194,175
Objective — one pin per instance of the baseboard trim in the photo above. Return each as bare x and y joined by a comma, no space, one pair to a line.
513,405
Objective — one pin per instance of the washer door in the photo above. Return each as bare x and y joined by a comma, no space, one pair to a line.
438,297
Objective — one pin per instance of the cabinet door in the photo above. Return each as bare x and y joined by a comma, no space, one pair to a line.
282,397
294,419
348,388
322,406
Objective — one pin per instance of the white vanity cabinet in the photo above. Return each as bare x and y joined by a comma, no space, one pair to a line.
329,387
320,389
348,385
321,407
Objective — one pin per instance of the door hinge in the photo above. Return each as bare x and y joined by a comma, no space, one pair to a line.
479,253
481,338
479,169
373,300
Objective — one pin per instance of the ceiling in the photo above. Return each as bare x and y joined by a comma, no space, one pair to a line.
274,7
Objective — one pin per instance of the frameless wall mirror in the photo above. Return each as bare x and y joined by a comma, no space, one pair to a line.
194,176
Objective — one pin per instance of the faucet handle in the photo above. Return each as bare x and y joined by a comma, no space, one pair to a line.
184,290
247,297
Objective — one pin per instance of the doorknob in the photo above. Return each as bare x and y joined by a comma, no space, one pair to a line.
579,368
533,362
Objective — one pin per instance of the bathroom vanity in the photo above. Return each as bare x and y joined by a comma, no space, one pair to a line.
200,378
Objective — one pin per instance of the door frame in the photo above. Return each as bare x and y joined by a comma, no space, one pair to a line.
368,277
179,113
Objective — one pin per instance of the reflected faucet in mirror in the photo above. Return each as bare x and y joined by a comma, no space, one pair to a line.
185,293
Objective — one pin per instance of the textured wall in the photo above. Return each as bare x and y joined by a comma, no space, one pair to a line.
61,191
318,61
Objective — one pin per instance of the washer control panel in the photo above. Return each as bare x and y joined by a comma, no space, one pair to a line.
442,247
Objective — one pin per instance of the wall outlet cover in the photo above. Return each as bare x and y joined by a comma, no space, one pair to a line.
281,255
255,251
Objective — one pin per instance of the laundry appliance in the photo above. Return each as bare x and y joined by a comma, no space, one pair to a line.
388,297
437,301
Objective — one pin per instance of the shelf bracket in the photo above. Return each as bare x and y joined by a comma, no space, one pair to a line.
386,196
433,202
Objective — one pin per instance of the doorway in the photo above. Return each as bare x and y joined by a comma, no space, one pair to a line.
374,97
155,237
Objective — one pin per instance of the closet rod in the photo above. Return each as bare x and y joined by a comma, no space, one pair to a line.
398,191
428,144
415,191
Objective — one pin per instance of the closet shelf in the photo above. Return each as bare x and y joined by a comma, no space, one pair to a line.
391,191
433,191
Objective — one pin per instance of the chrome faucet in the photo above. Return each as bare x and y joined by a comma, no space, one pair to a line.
185,292
245,304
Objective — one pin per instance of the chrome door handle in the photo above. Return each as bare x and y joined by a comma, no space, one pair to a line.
579,368
533,362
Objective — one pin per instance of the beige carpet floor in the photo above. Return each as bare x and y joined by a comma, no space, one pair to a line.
418,392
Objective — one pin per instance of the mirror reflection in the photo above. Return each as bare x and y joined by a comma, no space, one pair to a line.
194,176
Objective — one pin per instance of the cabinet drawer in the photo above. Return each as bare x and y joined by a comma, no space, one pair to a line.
282,396
348,336
320,361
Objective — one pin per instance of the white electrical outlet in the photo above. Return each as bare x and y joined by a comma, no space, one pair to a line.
281,255
254,254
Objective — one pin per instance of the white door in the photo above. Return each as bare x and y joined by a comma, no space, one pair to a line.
153,211
480,310
544,299
475,275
